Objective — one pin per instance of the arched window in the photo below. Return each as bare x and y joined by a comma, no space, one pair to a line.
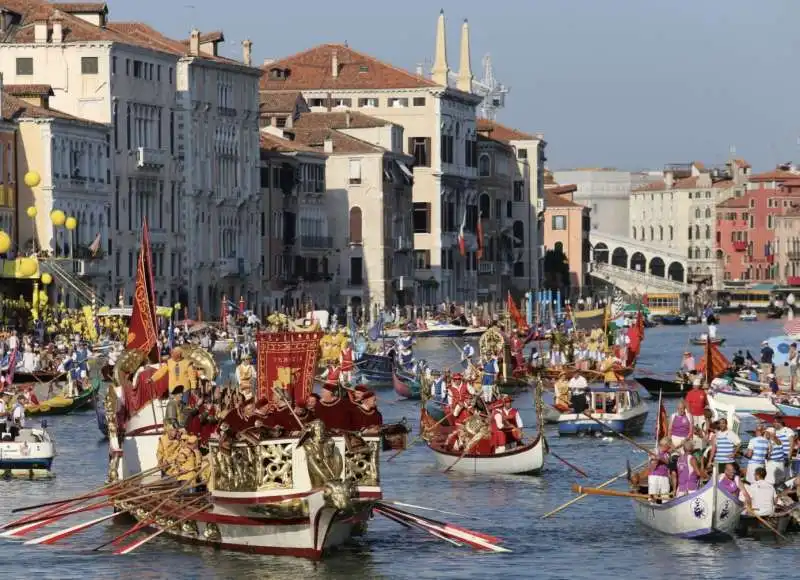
697,213
690,232
355,225
651,233
671,233
634,232
661,233
641,233
708,212
697,253
519,234
708,232
484,166
485,206
708,253
696,232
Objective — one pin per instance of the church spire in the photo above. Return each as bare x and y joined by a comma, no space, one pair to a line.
465,67
440,68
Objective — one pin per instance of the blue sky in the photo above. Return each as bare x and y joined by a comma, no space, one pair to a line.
625,83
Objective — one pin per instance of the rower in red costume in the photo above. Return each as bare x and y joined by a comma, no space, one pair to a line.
332,374
506,426
332,410
516,353
460,407
357,393
346,360
366,416
281,414
237,420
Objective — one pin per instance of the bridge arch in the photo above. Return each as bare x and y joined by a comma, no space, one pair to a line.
676,272
656,267
619,257
638,262
600,252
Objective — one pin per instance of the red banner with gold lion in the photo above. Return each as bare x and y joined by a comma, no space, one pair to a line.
287,360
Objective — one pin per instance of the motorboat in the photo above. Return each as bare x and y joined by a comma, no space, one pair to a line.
619,409
30,454
748,316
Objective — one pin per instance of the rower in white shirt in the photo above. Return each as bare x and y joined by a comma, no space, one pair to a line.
18,414
760,496
578,383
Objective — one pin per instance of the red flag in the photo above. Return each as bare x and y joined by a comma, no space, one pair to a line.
718,363
663,422
515,314
480,237
636,335
142,325
462,243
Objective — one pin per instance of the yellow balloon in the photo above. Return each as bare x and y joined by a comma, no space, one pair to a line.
27,267
5,242
71,223
32,179
57,217
31,211
46,278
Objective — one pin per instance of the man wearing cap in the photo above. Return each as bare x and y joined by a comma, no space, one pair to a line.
366,417
767,355
332,409
181,372
175,412
246,376
506,426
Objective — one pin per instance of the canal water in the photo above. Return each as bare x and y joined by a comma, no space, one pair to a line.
596,538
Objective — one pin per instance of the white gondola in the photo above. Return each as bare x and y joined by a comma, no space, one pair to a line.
707,513
525,460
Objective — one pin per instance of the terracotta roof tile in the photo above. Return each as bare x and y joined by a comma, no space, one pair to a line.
685,183
723,184
215,36
552,199
734,202
339,120
562,189
273,144
342,143
312,69
28,90
652,186
742,164
502,133
15,108
81,7
774,175
279,101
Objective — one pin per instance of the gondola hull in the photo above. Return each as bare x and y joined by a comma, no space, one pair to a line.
702,341
527,460
406,386
57,406
699,515
662,387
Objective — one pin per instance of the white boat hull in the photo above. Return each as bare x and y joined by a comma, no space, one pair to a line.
744,403
32,451
519,461
697,515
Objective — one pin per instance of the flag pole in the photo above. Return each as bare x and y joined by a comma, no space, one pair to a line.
658,420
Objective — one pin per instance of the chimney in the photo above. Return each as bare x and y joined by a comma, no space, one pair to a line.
194,42
347,119
335,64
40,31
58,28
464,82
669,179
328,146
440,68
420,70
247,52
268,61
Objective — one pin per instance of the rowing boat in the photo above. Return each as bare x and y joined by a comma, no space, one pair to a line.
662,387
406,386
525,460
711,512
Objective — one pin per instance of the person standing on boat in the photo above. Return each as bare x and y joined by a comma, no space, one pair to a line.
760,496
175,413
688,364
680,425
776,457
658,486
246,377
467,352
490,371
724,444
767,355
756,452
792,361
506,426
689,472
696,403
346,361
787,436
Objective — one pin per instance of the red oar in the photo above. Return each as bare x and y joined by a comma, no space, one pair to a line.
42,521
131,547
61,534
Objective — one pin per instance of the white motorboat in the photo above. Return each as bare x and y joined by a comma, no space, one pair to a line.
748,316
30,454
616,409
743,402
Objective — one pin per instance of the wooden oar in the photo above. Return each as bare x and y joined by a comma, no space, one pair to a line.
88,495
72,530
417,438
765,523
413,525
567,463
45,520
609,492
130,548
419,507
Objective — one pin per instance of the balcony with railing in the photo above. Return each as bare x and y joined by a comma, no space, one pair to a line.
739,246
148,157
316,242
486,268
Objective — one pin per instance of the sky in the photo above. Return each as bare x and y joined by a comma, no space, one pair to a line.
632,84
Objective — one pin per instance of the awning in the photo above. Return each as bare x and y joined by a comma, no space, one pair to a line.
404,168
